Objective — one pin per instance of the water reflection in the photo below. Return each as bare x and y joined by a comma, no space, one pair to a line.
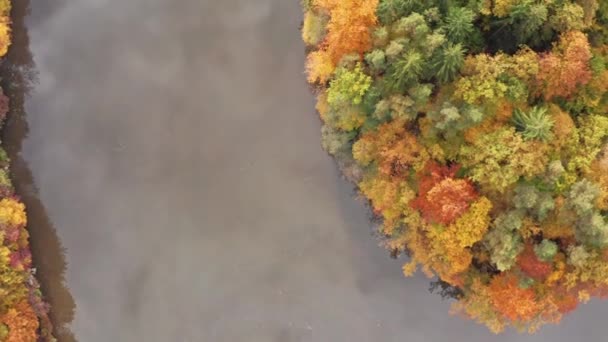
18,79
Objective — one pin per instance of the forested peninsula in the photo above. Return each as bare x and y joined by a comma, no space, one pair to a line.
477,130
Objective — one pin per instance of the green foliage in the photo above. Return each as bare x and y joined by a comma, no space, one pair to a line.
578,256
569,16
407,70
459,24
448,62
538,203
313,29
335,141
591,226
582,196
546,250
376,60
528,19
348,87
391,10
534,124
504,241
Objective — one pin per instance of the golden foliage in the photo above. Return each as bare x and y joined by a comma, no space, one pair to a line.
393,148
319,66
22,323
350,23
5,35
447,250
12,212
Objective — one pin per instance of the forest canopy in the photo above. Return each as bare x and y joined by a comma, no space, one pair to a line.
23,313
478,131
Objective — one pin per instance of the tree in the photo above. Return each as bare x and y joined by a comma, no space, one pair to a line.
319,67
532,266
459,24
349,26
348,87
566,67
534,124
21,322
500,159
313,29
512,301
441,198
448,63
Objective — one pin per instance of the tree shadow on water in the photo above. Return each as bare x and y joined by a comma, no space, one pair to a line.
18,77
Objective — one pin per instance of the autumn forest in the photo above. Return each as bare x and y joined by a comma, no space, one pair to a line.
478,132
23,313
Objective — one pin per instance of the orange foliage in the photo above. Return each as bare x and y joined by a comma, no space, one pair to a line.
442,198
393,148
599,174
566,301
532,266
512,301
486,127
566,67
349,26
22,323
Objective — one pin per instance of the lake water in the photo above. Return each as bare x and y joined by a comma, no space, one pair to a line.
169,155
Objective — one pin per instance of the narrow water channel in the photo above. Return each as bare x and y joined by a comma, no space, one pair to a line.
169,156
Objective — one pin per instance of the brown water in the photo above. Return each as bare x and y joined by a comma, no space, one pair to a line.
169,155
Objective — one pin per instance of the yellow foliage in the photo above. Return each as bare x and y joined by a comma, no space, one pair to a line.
5,8
351,119
12,282
584,296
449,247
319,66
563,127
12,212
503,7
5,35
389,198
481,83
529,228
313,28
594,270
322,106
559,270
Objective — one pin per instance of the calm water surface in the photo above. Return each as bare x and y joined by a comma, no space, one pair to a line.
169,155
